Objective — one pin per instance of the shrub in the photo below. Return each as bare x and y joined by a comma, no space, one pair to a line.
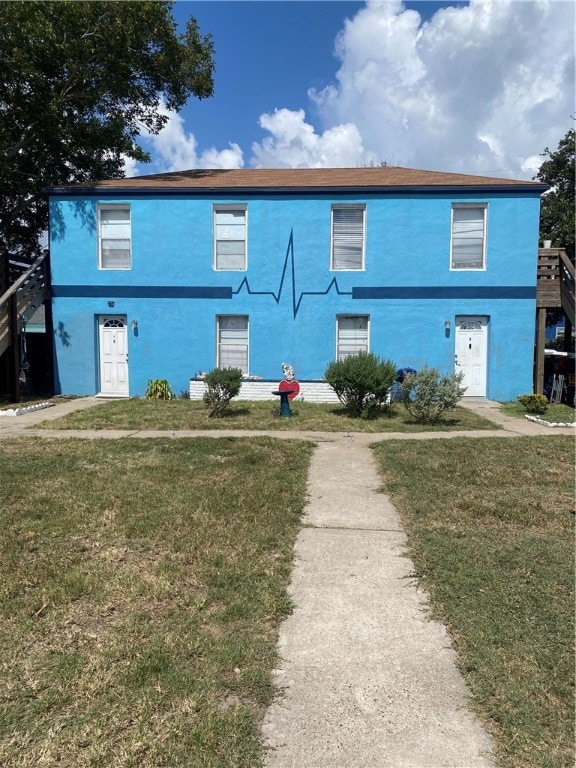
222,384
534,403
158,389
427,394
362,383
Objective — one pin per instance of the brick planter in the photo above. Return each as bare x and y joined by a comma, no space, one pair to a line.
310,391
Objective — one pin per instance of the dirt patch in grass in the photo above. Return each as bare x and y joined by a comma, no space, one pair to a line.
491,533
141,589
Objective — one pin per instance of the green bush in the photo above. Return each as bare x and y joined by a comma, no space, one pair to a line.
222,384
158,389
534,403
362,383
427,394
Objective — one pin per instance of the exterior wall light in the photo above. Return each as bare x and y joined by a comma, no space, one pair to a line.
447,325
134,324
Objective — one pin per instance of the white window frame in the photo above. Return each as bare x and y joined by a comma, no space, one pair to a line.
102,257
223,360
355,345
218,238
470,266
338,259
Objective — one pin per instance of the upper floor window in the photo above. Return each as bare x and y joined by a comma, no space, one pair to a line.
468,237
114,240
232,333
351,335
348,235
230,238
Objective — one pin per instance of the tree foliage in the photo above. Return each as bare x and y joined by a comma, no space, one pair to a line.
79,82
557,216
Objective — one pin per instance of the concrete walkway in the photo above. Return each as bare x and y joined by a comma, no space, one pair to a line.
367,679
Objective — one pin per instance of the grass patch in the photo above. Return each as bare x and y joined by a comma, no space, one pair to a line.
556,412
141,587
490,525
313,417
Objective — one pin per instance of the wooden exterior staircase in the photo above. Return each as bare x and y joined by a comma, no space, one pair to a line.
554,290
24,290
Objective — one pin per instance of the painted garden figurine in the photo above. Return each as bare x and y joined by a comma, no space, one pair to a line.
289,381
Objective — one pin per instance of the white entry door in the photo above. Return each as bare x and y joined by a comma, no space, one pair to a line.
472,353
113,355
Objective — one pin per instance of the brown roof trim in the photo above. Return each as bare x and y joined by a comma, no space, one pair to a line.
300,180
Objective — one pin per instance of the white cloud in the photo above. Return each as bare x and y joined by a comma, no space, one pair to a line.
294,144
131,167
480,88
173,149
531,164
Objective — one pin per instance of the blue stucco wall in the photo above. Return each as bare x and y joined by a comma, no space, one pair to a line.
288,291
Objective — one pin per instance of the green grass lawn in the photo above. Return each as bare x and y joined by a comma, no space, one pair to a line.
556,412
141,588
313,417
142,583
491,532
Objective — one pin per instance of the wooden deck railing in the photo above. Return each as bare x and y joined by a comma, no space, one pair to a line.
21,300
567,281
555,281
10,272
554,290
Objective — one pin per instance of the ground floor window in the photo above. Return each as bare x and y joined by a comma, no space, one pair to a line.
351,335
232,334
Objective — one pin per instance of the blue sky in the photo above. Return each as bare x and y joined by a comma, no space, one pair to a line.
479,87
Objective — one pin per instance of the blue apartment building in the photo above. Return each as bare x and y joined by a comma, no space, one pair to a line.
169,275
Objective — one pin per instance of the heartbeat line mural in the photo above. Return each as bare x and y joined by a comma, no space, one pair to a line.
358,293
296,302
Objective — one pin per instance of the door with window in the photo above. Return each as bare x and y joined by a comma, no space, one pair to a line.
113,342
472,354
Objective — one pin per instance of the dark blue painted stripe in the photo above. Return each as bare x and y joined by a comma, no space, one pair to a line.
447,292
142,291
226,292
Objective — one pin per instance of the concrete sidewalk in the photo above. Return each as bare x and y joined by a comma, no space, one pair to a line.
367,679
14,426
